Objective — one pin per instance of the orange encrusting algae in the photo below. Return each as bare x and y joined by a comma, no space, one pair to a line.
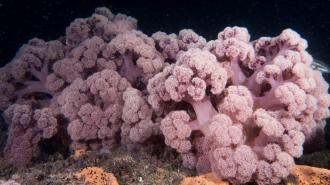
308,175
299,175
207,179
97,176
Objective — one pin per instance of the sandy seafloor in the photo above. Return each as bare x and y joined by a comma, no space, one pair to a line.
147,166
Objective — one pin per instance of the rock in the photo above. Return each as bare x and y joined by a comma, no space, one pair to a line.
320,159
78,153
97,176
300,175
3,132
207,179
307,175
9,182
327,133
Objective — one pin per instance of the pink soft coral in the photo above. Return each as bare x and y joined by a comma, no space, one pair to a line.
135,56
271,94
239,108
27,128
25,76
103,23
138,125
170,45
94,108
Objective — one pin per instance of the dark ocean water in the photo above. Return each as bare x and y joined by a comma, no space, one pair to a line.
21,20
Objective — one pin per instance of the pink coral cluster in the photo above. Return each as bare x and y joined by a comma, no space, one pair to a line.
27,128
242,109
253,104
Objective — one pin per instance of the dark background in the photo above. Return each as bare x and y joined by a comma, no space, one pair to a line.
21,20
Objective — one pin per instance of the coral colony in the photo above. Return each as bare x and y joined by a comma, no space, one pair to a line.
239,108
